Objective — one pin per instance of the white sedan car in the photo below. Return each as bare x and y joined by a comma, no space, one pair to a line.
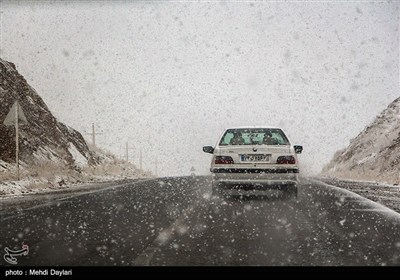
254,159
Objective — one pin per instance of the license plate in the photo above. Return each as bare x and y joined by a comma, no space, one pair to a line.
254,158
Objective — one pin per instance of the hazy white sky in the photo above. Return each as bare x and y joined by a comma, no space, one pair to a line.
170,76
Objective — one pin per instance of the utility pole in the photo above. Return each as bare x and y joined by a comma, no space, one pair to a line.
94,135
127,151
140,158
156,166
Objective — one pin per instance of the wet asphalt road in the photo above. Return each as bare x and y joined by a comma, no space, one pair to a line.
176,221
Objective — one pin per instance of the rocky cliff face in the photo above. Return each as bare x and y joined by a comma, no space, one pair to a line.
375,153
43,139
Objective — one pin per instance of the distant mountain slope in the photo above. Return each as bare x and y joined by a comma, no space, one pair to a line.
44,138
375,153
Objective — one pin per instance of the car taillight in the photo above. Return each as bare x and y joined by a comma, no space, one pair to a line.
286,160
223,160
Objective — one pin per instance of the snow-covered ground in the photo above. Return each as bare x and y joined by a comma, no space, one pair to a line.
4,166
11,203
31,185
382,193
46,176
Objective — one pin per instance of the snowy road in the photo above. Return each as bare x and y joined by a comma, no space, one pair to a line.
175,221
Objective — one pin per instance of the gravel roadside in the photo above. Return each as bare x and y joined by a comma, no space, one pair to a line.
12,203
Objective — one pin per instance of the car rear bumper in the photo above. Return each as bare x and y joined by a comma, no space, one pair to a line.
255,191
255,170
255,176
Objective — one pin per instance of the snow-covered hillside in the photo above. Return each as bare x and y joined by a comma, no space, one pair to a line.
51,153
374,154
43,139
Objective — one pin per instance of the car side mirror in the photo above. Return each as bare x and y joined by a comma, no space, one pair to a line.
298,149
208,149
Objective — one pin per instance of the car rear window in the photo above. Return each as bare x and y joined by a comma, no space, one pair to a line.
254,136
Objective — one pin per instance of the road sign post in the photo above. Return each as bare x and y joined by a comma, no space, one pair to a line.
16,117
17,140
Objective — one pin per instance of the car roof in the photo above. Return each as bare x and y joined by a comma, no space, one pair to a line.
257,127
